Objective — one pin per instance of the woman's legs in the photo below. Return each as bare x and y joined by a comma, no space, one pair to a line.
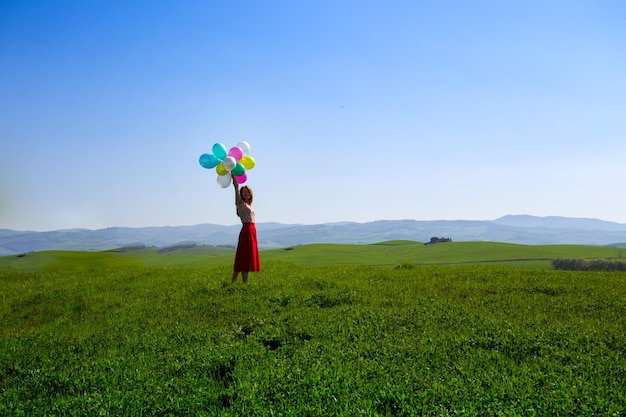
244,276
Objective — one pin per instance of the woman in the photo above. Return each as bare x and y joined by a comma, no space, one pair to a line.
247,257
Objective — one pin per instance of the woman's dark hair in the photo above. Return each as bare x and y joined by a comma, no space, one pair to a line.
251,196
249,191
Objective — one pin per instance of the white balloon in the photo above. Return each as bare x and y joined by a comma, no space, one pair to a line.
245,147
229,163
224,180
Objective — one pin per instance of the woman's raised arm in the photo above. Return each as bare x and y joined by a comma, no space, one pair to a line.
236,185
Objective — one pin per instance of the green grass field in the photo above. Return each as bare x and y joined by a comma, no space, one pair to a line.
442,330
381,254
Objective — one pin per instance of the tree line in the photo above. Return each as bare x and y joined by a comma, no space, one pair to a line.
589,264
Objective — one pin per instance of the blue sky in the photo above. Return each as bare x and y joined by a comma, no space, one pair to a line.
354,110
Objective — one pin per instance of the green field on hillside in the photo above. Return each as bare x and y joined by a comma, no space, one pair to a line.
385,253
323,330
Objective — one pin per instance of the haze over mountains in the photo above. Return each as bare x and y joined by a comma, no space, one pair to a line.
523,229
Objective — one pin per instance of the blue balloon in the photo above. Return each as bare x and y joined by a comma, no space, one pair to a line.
219,151
208,161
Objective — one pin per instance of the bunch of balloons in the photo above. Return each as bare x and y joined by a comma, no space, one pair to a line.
235,161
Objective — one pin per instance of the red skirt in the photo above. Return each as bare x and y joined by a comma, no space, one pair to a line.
247,255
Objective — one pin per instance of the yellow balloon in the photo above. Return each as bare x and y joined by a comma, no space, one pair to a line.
220,169
247,161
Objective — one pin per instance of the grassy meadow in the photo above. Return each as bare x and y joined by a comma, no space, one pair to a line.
394,329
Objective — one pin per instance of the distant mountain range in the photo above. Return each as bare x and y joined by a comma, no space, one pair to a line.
524,229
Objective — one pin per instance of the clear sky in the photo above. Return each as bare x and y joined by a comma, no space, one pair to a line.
355,110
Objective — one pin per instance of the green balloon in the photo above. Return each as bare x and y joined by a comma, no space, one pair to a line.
239,170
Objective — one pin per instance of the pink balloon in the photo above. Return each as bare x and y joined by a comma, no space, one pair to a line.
236,152
241,179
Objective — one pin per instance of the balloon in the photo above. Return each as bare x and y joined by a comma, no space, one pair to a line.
245,147
239,170
220,169
248,162
224,180
208,161
236,152
219,151
229,163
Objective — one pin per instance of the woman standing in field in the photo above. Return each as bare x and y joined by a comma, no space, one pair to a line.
247,256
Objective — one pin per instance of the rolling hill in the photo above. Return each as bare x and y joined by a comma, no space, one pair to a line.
397,252
528,230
